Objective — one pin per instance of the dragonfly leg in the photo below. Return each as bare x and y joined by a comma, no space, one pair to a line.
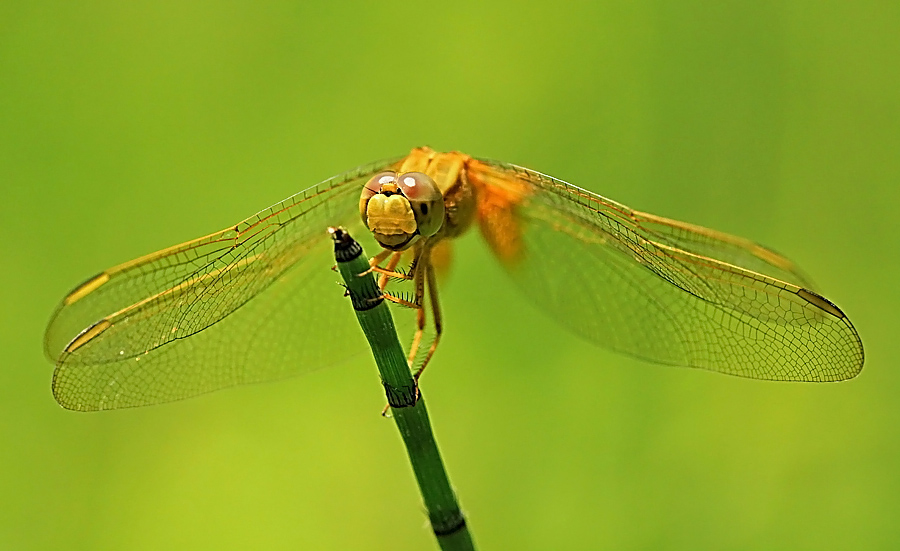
436,315
384,278
421,267
376,260
379,258
400,301
389,271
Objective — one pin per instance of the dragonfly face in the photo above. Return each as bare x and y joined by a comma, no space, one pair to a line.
250,303
401,208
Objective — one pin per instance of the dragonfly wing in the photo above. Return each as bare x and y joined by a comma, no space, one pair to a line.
181,322
723,247
659,289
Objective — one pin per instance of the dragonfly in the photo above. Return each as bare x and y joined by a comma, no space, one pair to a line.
254,302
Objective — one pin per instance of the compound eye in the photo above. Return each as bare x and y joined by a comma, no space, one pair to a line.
425,199
372,188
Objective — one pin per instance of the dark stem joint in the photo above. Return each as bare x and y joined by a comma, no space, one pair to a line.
367,300
401,397
450,528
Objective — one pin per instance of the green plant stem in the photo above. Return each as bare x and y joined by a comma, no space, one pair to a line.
407,404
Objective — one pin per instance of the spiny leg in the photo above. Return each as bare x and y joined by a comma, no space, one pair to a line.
421,267
436,314
384,278
400,301
387,273
389,270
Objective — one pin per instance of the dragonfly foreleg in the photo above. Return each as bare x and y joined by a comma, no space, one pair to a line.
379,258
385,277
390,270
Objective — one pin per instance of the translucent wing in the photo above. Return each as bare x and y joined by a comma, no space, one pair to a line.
659,289
724,247
121,338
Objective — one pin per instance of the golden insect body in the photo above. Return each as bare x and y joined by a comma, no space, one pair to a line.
250,303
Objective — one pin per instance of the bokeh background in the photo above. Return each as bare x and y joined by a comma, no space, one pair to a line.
129,126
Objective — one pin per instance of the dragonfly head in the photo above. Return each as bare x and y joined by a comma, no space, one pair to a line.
400,208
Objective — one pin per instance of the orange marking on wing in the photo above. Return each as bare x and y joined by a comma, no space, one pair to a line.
498,195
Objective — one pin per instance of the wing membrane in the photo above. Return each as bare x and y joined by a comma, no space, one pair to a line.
724,247
667,291
120,338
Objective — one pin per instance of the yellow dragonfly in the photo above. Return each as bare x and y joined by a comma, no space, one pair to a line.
257,300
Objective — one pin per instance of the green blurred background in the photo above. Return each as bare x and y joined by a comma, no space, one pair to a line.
127,127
